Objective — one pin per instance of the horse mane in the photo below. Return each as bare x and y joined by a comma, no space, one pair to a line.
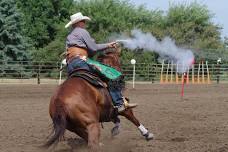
111,57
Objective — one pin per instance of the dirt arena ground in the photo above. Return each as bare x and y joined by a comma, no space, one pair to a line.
197,123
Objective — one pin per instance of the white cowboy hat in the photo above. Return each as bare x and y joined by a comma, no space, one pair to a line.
76,18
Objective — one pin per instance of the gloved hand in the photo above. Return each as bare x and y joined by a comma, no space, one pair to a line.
112,45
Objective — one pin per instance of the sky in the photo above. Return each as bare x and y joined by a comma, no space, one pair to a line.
218,7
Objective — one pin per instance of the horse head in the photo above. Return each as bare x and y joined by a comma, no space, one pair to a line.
111,57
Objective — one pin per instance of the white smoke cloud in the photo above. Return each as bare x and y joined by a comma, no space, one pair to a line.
166,48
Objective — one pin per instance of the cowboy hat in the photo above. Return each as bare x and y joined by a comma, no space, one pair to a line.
76,18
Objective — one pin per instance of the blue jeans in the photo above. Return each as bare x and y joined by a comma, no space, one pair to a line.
78,63
117,97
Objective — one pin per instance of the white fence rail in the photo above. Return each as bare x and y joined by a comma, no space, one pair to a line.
143,72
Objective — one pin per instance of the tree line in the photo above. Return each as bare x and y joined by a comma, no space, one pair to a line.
34,30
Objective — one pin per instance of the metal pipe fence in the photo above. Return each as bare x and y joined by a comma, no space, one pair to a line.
143,71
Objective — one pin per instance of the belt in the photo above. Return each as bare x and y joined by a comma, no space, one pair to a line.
76,52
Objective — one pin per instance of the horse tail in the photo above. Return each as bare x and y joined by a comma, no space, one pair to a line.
59,126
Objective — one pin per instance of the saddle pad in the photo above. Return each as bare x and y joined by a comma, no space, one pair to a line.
92,79
108,71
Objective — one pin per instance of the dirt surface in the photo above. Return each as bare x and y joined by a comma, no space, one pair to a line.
196,123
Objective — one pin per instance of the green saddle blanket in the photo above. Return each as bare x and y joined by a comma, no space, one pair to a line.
107,71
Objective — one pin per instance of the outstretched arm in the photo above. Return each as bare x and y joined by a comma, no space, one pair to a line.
91,45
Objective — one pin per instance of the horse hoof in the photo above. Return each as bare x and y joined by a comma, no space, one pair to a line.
149,136
101,144
115,131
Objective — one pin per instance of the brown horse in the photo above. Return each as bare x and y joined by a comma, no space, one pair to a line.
79,107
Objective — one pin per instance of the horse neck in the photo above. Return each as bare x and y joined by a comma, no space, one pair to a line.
111,59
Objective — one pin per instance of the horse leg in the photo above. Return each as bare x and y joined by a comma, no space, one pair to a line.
130,116
93,136
115,130
81,132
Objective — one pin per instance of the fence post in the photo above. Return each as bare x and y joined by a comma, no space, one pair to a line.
161,76
203,78
148,71
218,73
21,64
208,73
177,76
198,76
38,74
167,74
219,61
171,79
153,70
193,74
133,62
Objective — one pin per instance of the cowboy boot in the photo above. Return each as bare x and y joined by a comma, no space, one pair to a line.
125,105
121,108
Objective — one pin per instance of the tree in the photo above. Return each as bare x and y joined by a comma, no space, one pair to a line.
115,16
12,43
190,25
42,18
107,18
226,42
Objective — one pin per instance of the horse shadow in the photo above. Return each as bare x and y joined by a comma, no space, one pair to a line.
75,144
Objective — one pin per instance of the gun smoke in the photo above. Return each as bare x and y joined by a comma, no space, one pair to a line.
167,49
